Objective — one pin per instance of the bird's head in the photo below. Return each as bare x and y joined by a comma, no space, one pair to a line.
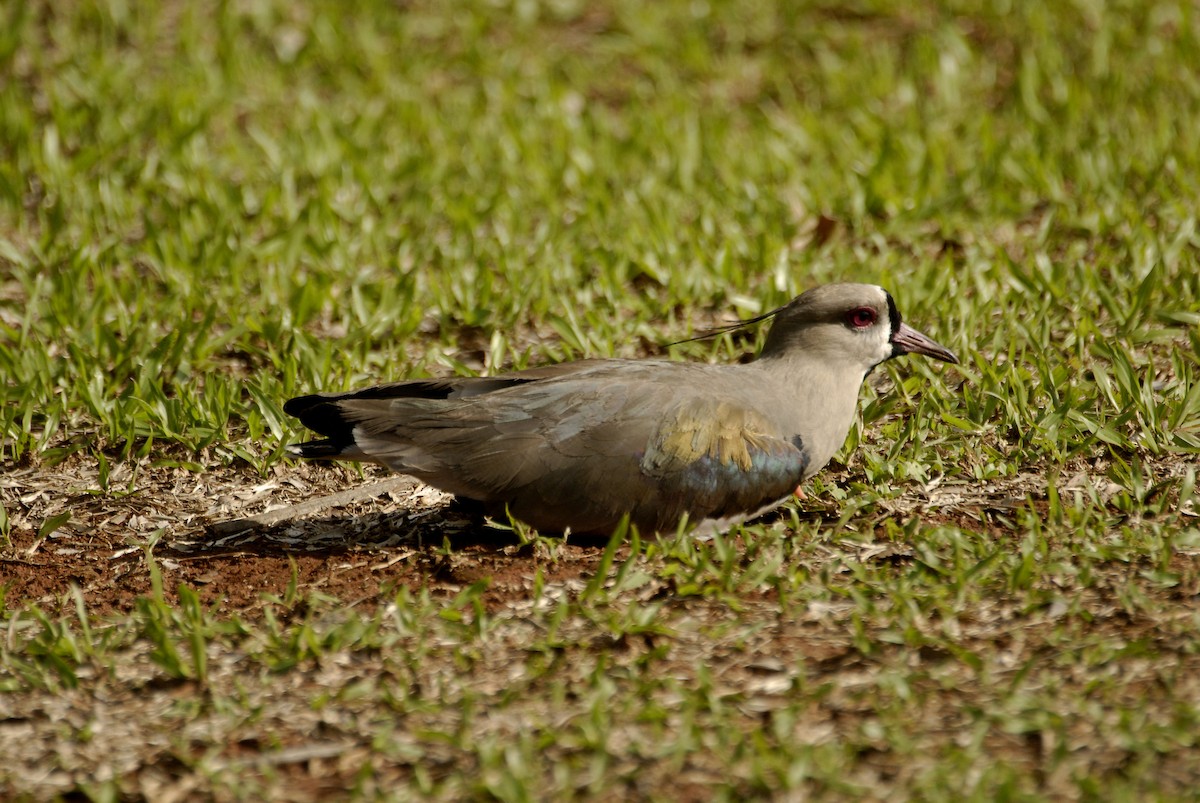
855,323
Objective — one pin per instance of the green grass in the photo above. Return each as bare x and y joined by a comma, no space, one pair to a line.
207,208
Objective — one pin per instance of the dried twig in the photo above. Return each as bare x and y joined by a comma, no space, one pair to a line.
339,499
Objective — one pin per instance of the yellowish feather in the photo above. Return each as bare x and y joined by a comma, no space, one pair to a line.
722,431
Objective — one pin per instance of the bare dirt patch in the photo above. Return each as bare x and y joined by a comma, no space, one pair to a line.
200,531
206,530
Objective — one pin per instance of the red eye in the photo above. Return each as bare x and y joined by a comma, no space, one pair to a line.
861,317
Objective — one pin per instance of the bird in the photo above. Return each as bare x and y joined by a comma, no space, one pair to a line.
674,446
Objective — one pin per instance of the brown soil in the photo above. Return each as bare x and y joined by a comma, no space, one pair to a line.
358,552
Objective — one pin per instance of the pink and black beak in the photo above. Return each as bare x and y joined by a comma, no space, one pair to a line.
906,340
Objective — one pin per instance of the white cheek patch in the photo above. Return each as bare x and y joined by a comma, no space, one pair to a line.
882,337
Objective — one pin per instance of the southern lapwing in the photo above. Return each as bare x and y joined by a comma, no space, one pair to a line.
577,446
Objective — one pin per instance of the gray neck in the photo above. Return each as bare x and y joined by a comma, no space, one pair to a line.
814,398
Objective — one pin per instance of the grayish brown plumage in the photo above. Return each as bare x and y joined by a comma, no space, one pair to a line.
576,446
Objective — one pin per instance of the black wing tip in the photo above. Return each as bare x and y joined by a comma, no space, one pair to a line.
300,404
322,415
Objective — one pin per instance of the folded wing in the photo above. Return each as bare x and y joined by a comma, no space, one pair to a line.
575,449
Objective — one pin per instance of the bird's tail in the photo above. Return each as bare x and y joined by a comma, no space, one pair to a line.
320,412
324,449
